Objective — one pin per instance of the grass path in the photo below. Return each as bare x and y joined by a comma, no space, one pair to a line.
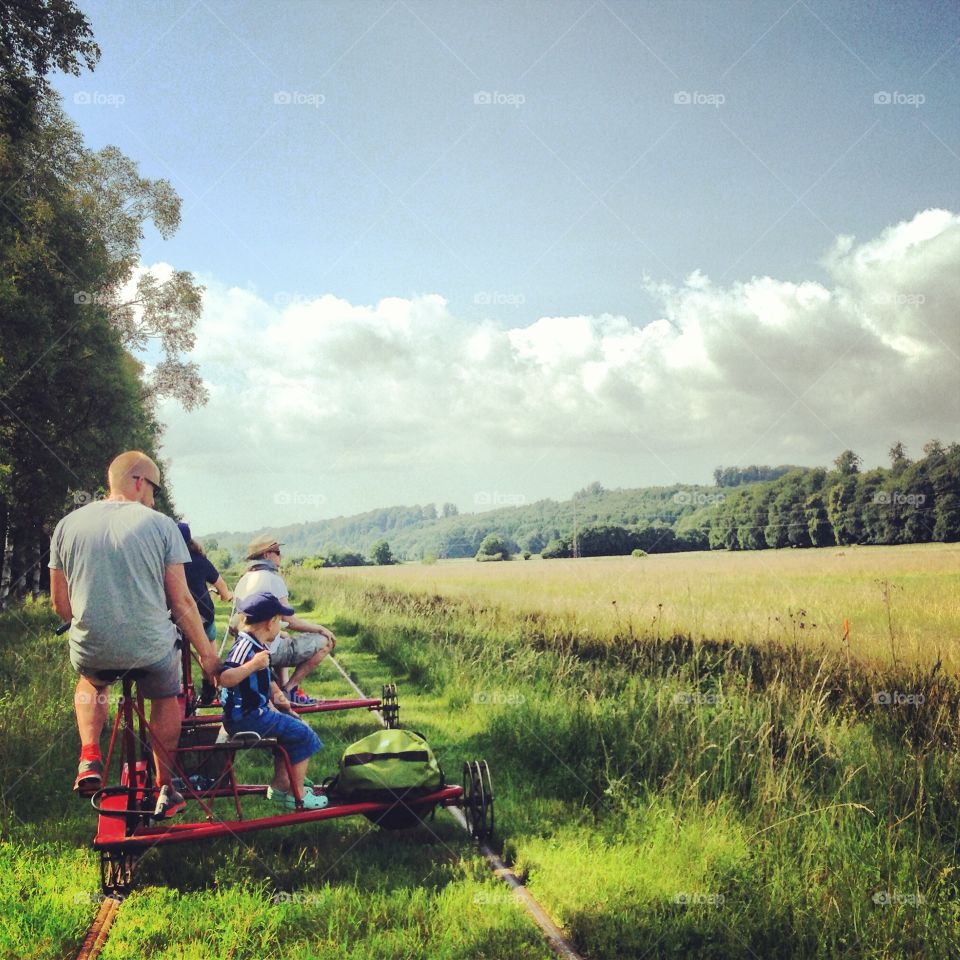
336,889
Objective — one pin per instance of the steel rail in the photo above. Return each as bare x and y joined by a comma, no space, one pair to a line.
555,938
96,937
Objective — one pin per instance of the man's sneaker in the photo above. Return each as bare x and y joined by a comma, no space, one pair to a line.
169,803
89,777
298,698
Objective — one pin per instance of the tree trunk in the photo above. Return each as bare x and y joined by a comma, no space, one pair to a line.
6,572
37,564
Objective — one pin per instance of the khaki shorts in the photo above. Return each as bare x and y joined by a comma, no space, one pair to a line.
156,681
291,651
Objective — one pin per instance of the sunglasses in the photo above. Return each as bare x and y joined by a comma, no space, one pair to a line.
156,486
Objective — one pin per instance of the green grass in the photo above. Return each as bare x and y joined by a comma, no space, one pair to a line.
686,801
662,796
340,889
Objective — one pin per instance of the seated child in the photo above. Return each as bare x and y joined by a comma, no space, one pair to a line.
250,693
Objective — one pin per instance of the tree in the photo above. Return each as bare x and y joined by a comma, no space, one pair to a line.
818,523
450,510
70,228
494,547
556,548
594,489
35,38
119,202
898,457
220,557
848,463
380,554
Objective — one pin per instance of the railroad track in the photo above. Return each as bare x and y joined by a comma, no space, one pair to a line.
99,930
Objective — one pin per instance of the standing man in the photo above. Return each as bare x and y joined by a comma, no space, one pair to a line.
303,652
116,573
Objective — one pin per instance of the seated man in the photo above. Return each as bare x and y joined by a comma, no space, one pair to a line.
303,653
116,574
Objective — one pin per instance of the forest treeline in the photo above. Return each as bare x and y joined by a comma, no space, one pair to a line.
75,304
418,531
908,502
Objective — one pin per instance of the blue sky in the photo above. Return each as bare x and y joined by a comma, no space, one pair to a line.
527,164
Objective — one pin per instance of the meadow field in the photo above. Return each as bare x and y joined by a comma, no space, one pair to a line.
907,593
699,778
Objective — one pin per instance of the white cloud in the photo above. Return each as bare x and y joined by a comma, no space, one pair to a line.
760,371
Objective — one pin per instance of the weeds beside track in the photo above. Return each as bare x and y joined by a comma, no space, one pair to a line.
705,809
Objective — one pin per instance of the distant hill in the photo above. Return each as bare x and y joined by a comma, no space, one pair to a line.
416,531
751,508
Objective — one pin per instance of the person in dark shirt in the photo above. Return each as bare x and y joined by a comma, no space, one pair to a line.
201,574
253,701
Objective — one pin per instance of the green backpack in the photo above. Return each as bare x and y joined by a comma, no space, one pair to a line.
389,766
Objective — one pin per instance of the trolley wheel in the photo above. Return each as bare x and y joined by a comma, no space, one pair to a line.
389,707
117,869
478,799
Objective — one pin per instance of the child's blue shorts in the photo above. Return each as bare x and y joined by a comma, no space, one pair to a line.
295,736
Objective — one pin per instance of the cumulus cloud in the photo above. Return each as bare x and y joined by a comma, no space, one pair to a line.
402,396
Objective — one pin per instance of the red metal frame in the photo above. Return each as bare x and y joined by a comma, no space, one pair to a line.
125,822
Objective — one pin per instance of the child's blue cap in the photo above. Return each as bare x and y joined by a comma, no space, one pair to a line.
262,606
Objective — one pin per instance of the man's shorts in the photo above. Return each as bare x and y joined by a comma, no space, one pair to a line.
210,629
291,651
156,681
296,737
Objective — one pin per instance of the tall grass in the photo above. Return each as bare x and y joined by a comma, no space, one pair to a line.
668,797
793,597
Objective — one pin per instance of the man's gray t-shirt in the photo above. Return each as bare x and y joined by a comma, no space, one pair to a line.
114,554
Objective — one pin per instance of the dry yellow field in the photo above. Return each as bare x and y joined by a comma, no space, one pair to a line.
912,591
